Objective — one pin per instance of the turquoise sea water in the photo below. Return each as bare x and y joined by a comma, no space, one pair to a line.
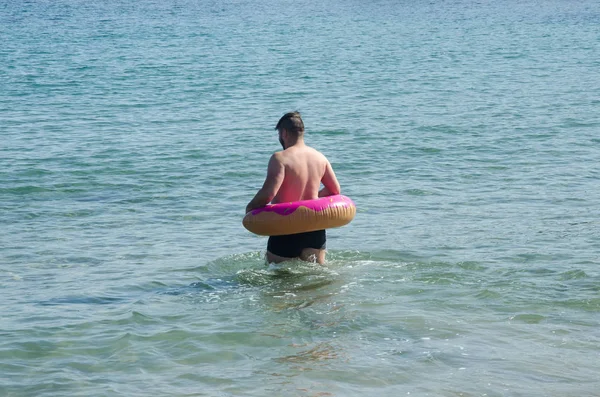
132,135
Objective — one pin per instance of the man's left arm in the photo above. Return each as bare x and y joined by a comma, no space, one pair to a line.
273,181
331,186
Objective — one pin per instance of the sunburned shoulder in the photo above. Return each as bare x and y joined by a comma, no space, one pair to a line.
277,159
312,151
293,153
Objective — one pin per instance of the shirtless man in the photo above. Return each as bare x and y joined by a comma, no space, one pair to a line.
293,174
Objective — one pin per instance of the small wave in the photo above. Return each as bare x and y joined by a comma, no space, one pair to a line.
528,318
81,300
23,190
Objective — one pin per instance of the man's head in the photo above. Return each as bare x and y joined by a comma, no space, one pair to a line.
292,123
290,127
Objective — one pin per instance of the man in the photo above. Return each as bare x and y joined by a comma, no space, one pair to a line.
294,174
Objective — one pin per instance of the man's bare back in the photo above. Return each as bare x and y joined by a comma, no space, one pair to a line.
293,174
303,170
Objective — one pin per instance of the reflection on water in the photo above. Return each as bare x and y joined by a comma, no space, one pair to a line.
295,305
293,284
309,354
368,318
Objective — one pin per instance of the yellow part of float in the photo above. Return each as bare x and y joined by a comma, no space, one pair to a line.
301,219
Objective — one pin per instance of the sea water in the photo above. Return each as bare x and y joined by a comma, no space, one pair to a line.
133,134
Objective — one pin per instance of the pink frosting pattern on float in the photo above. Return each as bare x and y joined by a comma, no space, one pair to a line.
316,205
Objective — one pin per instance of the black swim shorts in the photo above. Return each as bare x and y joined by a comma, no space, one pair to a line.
291,245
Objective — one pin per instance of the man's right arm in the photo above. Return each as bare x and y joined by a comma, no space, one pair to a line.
331,186
273,181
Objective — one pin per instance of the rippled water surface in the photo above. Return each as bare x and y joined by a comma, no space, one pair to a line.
133,134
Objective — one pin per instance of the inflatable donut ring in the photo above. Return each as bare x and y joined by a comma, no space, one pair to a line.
300,216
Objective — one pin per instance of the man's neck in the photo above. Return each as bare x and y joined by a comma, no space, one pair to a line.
297,142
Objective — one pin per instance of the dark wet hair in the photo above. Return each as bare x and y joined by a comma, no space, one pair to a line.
292,123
